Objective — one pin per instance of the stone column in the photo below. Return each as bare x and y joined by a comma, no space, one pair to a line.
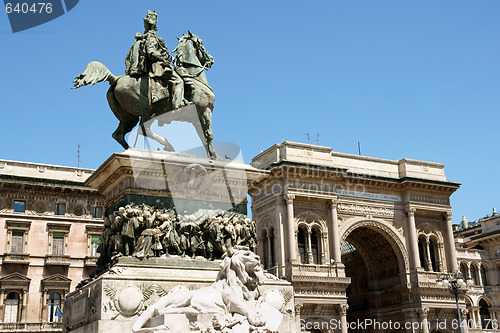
343,317
424,313
428,255
469,275
270,249
298,309
24,304
333,227
280,237
479,277
324,237
290,229
412,238
463,313
309,254
440,256
450,244
493,314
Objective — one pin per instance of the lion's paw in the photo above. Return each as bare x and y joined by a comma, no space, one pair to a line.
256,319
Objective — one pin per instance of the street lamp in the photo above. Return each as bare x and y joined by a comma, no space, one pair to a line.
456,284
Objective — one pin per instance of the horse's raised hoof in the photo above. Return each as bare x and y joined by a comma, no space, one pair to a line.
167,148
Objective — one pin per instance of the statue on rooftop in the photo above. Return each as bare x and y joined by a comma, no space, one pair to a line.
156,83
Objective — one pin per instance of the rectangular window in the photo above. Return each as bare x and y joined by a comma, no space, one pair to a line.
16,245
97,212
60,209
19,206
94,244
58,244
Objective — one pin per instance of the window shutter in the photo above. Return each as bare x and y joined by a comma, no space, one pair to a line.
58,244
16,245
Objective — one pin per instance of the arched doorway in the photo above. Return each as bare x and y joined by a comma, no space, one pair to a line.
376,262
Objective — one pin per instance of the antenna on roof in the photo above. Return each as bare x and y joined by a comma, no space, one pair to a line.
308,137
317,139
359,148
78,155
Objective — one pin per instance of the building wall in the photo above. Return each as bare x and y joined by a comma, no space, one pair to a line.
478,248
386,225
36,272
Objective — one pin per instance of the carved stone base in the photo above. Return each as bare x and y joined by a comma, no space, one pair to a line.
173,180
130,286
113,301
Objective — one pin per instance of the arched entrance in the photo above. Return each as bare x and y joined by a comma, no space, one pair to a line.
376,261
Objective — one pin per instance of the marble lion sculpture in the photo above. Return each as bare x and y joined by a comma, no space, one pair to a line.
233,292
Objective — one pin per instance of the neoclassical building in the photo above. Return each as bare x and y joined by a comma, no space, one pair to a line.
358,237
478,251
50,225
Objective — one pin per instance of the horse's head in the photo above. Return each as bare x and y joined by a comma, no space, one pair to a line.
190,50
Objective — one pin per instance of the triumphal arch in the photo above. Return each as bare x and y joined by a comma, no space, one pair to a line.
364,241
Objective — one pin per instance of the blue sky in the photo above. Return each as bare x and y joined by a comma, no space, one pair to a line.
406,79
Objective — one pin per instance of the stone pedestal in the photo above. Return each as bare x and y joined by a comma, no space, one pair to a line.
173,180
112,302
119,295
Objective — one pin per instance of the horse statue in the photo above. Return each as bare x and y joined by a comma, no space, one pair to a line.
129,99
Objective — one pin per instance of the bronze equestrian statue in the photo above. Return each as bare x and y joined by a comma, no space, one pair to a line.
155,83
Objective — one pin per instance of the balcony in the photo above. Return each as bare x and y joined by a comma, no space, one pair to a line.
57,260
30,327
90,261
16,258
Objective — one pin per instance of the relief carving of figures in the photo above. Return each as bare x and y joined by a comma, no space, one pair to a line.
143,232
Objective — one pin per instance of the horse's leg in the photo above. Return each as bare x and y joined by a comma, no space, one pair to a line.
205,132
127,121
150,134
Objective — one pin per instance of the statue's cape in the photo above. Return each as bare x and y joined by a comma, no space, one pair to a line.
135,62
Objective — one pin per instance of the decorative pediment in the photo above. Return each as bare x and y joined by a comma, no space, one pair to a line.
15,224
15,281
58,227
94,229
56,281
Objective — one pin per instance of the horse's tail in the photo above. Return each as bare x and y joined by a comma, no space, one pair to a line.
94,73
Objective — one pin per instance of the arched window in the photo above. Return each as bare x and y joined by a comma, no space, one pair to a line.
301,241
12,303
473,274
54,308
272,262
484,313
463,270
315,246
483,276
468,305
421,252
265,249
433,250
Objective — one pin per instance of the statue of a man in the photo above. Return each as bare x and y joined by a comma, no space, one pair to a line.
149,55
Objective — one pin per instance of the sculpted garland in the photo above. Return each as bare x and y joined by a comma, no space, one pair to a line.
143,231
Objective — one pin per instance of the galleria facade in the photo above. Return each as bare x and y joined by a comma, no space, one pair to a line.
364,241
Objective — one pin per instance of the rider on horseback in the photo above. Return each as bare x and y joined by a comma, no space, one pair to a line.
150,56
